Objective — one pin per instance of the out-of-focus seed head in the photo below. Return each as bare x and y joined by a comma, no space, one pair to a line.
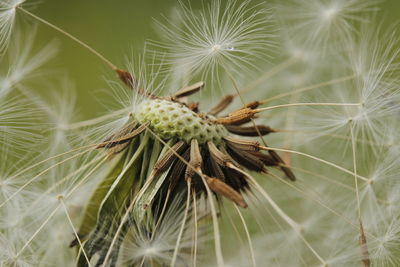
8,9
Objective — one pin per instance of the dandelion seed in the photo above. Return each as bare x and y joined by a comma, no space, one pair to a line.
23,63
19,129
223,36
323,25
375,88
8,9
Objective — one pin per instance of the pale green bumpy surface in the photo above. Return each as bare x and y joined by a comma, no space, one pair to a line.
169,119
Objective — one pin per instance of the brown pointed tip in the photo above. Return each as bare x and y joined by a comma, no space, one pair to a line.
126,77
289,174
252,105
73,243
221,105
242,204
225,190
189,90
364,247
237,117
100,146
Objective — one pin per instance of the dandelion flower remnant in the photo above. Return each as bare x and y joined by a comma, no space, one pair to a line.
175,178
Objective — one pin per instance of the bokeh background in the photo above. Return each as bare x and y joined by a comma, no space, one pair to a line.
118,30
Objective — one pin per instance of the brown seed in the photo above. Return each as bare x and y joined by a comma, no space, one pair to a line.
237,117
266,159
225,190
194,106
236,179
195,159
166,160
219,157
223,150
246,159
188,90
126,78
178,169
75,241
124,135
250,130
288,172
130,81
221,105
247,145
364,248
252,105
117,148
215,169
127,129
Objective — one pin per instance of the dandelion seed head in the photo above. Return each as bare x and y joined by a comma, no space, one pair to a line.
374,90
9,245
311,221
323,25
170,119
227,36
17,124
329,12
8,9
385,246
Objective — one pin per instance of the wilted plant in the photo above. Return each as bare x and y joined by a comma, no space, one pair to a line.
147,184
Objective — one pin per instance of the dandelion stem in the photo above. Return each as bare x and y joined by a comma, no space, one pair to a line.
306,104
86,176
275,206
311,87
253,259
307,194
294,225
93,51
50,158
324,263
242,100
37,176
97,120
51,167
37,231
217,240
353,145
178,241
66,178
332,181
275,220
73,229
326,178
338,136
134,200
289,120
314,158
362,238
161,214
235,229
195,229
56,209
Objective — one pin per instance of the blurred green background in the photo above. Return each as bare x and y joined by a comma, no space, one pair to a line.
117,29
